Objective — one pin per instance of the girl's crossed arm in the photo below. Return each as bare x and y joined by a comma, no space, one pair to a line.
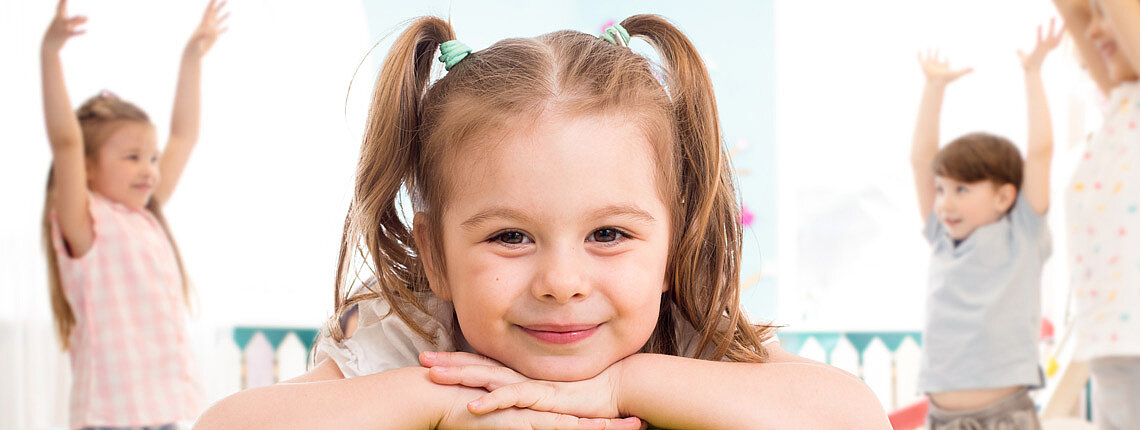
396,399
184,122
938,75
69,168
677,392
1039,152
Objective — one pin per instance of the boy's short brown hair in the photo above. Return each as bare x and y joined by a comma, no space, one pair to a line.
979,157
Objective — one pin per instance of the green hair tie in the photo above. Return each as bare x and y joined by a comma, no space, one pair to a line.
452,52
616,35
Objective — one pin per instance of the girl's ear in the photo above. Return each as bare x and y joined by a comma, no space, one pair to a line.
427,253
1005,196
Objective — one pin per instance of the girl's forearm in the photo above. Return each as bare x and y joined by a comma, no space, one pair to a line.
396,399
184,125
62,126
677,392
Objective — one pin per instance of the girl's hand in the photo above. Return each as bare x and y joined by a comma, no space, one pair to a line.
62,28
937,70
594,397
212,25
459,417
1032,62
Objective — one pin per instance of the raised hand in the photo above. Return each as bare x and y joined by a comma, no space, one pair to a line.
62,28
595,397
212,25
937,70
1031,62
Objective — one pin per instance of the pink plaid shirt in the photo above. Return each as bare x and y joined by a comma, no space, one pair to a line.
131,360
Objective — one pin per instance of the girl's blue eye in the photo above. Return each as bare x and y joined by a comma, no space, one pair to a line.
511,237
961,188
132,157
605,235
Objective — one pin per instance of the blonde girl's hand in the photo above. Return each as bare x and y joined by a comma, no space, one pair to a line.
937,70
62,28
507,389
1031,62
212,25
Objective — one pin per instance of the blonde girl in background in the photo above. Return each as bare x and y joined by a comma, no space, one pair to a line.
118,287
572,261
1101,211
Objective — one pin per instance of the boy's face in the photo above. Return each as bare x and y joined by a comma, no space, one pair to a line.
963,207
555,243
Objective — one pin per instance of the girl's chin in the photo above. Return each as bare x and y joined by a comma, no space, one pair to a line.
561,369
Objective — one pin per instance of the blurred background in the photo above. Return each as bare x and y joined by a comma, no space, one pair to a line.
817,98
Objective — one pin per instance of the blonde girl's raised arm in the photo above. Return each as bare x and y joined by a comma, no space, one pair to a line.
69,168
926,129
186,116
1077,17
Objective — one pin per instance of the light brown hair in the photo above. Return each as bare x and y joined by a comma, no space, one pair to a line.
980,157
416,127
99,117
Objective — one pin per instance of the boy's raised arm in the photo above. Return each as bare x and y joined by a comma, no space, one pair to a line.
938,75
1039,152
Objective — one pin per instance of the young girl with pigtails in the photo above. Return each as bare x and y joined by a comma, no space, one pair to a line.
572,261
118,287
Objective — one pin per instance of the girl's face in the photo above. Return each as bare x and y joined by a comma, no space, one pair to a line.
962,207
1103,37
125,168
556,240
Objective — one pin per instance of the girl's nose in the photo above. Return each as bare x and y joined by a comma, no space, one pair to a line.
560,278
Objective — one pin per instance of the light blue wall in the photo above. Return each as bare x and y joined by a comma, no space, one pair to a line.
736,39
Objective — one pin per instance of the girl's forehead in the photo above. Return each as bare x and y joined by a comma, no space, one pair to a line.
130,135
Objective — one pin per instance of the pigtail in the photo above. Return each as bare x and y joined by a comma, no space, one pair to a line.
389,154
705,269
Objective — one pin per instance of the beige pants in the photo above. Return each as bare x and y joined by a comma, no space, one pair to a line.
1015,412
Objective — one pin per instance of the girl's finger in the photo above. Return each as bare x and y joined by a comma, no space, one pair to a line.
221,18
61,8
529,395
488,377
431,358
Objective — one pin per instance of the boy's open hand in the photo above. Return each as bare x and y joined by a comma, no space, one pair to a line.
1031,62
212,25
62,28
594,397
938,70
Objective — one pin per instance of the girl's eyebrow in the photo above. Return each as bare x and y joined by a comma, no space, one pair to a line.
626,210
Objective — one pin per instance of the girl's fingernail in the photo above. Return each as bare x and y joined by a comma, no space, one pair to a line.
429,355
440,370
474,404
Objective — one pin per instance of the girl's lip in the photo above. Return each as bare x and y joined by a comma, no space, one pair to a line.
560,334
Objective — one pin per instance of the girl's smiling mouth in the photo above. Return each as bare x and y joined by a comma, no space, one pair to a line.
560,334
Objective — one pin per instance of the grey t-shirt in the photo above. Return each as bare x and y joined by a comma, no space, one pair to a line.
983,306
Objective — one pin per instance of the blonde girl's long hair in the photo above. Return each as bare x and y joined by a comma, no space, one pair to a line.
97,117
416,127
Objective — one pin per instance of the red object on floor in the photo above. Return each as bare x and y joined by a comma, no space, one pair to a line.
909,417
